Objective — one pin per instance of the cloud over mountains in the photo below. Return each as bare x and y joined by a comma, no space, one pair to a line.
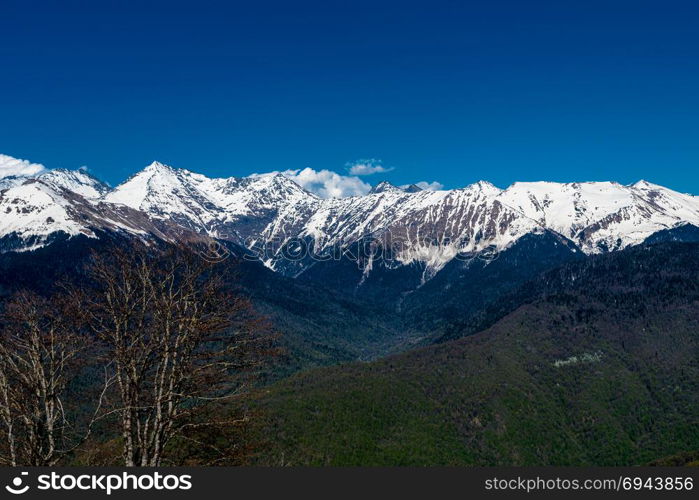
325,183
367,167
10,166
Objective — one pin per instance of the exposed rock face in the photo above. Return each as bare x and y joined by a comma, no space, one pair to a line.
274,217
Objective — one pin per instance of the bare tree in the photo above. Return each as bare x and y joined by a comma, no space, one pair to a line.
177,341
41,353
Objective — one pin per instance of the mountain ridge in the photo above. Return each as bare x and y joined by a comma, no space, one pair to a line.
270,214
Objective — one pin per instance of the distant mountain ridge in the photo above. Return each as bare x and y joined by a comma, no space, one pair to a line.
272,215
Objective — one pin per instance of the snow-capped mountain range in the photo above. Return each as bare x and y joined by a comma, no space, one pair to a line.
271,212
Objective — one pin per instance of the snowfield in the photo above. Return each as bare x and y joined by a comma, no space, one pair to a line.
271,211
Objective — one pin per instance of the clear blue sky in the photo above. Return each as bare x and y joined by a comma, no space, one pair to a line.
448,91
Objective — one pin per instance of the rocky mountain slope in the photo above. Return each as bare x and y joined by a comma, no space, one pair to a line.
37,211
291,229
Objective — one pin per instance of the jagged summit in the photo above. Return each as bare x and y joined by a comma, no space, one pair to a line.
35,211
412,188
79,181
155,164
485,187
270,210
645,185
230,208
385,187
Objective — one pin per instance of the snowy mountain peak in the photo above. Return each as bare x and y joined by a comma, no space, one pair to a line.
277,181
78,181
158,170
36,211
269,211
386,187
484,187
232,208
647,186
412,188
156,165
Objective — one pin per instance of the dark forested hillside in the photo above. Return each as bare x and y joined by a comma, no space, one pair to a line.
451,305
328,315
319,325
600,365
542,356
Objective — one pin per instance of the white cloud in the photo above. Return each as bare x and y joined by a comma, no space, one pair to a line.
427,186
325,183
367,167
10,166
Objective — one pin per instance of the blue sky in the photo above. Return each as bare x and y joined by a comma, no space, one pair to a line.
439,91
